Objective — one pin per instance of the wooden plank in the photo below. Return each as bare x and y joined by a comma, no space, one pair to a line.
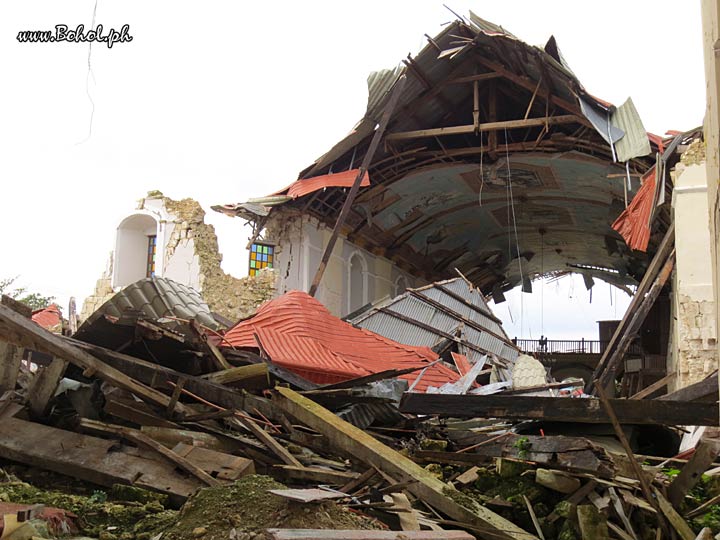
620,434
707,388
652,272
10,359
253,375
654,387
44,384
217,464
213,352
16,306
553,409
606,374
675,519
371,451
140,438
705,453
492,127
136,412
339,534
13,324
88,458
268,440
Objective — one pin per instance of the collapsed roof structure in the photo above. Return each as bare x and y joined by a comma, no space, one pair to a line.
495,161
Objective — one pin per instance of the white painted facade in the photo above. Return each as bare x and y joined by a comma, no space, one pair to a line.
353,278
175,257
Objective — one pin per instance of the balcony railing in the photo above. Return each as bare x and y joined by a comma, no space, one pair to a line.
573,346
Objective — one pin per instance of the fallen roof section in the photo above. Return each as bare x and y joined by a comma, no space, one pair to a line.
439,314
297,332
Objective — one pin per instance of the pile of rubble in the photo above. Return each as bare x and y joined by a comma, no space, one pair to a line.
180,427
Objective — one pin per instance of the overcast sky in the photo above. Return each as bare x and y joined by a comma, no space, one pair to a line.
221,101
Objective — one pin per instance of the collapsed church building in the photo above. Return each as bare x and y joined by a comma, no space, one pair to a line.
359,361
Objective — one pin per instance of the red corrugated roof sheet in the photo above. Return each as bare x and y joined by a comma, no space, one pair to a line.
48,317
300,334
634,223
308,185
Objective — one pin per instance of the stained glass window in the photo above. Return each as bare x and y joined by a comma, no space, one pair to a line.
261,256
152,252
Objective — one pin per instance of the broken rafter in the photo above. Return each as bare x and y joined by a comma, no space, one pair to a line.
487,126
367,160
551,409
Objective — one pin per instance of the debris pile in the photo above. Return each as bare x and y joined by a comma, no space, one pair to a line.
294,424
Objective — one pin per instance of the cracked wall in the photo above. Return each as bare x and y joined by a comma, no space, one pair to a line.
187,252
299,244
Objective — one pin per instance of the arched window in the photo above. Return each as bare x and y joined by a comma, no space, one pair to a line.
357,282
136,250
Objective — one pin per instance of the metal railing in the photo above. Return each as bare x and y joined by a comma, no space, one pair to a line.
567,346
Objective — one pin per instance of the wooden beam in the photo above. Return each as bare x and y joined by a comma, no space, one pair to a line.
255,375
492,127
10,360
140,438
473,78
705,453
654,387
620,434
365,448
154,374
315,475
44,384
606,372
654,268
365,165
12,323
88,458
269,441
707,388
552,409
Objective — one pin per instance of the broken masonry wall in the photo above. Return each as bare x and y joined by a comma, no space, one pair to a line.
353,277
694,338
186,252
102,293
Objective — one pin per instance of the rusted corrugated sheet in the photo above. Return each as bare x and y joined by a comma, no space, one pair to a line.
345,179
300,334
48,317
634,223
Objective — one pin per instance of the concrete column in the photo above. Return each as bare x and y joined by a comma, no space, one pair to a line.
695,323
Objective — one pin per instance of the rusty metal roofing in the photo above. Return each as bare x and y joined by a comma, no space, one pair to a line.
447,310
299,333
634,223
48,317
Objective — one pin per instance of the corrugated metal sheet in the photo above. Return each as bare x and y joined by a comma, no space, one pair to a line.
48,317
416,318
299,333
155,298
635,143
341,179
634,223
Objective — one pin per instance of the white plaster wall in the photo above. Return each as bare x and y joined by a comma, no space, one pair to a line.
299,250
184,265
692,233
131,248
